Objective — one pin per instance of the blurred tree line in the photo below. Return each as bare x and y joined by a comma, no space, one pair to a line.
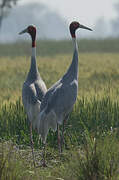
5,6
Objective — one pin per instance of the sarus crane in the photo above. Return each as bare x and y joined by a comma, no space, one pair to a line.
34,87
59,99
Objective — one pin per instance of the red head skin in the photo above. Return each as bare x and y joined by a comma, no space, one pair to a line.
73,27
32,32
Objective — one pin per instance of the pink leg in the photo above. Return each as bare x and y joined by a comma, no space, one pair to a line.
31,138
62,139
59,139
63,131
44,156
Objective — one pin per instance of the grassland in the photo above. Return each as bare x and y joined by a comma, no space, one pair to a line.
98,73
52,48
91,150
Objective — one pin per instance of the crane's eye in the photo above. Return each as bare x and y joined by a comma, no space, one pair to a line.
30,29
75,25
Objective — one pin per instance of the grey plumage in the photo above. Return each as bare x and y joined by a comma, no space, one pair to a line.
34,87
59,100
33,91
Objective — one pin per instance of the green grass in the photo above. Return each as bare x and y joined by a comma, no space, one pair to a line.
91,149
53,48
91,146
96,158
94,115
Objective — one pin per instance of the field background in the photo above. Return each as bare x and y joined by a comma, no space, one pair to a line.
98,65
91,137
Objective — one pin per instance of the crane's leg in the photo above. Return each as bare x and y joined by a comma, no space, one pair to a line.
59,139
31,138
44,155
63,129
62,139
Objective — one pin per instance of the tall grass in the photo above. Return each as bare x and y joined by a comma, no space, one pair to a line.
91,145
95,116
10,167
97,159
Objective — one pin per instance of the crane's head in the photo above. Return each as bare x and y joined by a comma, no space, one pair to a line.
32,31
74,26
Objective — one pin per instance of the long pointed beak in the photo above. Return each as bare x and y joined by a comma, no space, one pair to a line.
24,31
84,27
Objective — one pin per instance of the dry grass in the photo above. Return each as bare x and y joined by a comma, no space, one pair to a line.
98,73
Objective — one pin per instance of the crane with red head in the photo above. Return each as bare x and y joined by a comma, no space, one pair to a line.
34,87
59,99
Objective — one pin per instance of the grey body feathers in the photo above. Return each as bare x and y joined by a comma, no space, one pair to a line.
33,91
59,99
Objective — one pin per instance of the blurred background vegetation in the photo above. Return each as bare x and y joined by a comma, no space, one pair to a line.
55,47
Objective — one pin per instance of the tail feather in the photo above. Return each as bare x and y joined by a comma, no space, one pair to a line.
45,122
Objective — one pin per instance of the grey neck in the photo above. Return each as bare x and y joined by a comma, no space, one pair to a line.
33,72
72,72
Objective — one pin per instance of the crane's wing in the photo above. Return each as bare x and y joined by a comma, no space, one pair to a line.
58,103
63,97
48,94
40,88
43,124
60,100
29,94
